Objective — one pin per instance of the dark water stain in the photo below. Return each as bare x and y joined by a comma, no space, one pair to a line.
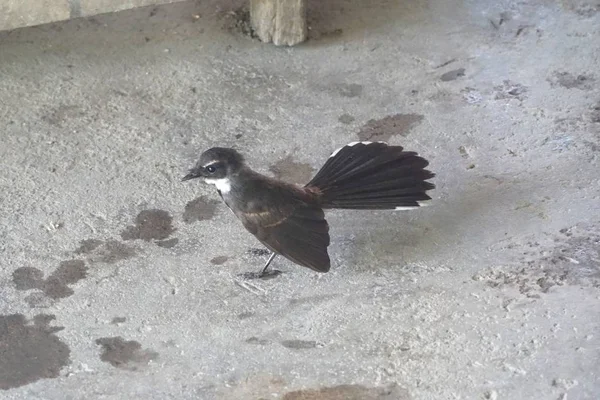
113,251
348,90
572,81
510,90
61,114
125,354
586,10
346,119
292,171
150,225
29,352
56,285
108,252
86,246
255,340
299,344
383,129
219,260
452,75
38,300
118,320
27,278
68,273
245,315
199,209
595,113
350,392
168,244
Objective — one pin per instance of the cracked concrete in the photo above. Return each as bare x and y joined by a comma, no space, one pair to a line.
490,292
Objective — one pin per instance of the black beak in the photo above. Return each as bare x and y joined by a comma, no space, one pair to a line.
192,175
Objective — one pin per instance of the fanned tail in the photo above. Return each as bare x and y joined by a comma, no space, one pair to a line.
373,176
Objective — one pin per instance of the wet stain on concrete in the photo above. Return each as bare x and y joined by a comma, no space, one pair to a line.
113,251
349,90
572,81
346,119
510,90
108,252
56,285
27,278
595,113
38,300
350,392
199,209
68,273
586,10
255,340
383,129
219,260
299,344
453,75
125,354
86,246
291,171
29,352
150,225
61,114
168,244
118,320
245,315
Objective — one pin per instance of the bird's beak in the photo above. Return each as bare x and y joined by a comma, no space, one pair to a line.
192,175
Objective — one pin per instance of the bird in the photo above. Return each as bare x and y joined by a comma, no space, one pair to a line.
289,219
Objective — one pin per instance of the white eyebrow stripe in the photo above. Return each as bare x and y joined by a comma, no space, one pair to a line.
211,163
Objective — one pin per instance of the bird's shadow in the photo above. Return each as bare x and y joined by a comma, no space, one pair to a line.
454,224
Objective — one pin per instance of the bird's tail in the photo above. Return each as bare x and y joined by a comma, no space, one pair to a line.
372,176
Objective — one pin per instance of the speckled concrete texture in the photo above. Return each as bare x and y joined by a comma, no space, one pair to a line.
119,281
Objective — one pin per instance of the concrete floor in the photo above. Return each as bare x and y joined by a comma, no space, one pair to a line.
118,281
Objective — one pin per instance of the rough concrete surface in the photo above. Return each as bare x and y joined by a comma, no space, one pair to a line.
118,281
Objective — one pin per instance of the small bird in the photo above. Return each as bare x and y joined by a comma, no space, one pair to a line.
289,219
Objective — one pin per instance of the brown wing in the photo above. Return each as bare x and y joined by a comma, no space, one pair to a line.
298,232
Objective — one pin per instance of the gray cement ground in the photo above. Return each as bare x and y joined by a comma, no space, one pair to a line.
118,281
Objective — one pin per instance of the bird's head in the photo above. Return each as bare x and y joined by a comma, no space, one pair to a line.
216,166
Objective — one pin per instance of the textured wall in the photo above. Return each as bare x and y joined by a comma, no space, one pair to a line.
19,13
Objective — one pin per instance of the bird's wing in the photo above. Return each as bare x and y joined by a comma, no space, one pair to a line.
297,231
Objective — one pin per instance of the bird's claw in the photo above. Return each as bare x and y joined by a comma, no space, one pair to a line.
270,274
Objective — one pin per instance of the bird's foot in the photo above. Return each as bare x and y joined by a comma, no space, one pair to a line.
270,274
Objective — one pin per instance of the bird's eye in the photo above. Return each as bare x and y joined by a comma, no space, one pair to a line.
211,169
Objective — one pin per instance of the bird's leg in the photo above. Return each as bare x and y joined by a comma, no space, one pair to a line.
264,270
264,273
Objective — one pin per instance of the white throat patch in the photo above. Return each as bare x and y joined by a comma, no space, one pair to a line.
223,185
